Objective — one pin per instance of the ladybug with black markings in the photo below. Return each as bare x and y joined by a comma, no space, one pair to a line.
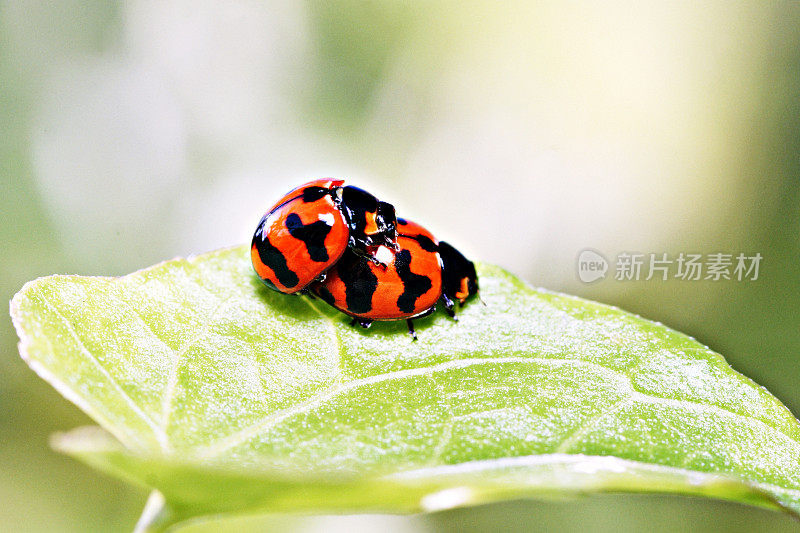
309,229
406,283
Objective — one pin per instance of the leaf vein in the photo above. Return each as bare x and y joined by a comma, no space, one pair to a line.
587,426
135,408
268,421
172,379
321,397
337,346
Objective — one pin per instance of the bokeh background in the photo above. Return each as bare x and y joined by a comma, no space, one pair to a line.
522,131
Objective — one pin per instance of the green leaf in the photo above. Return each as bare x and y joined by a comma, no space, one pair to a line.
226,397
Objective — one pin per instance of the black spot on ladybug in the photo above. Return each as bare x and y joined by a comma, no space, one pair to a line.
312,194
359,282
414,285
326,295
402,221
313,235
426,243
274,259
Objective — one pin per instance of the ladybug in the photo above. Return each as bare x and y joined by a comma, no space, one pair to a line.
309,229
407,283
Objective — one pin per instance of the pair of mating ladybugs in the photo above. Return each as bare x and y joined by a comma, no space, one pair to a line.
345,246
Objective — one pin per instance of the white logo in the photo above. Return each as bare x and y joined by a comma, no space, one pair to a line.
592,266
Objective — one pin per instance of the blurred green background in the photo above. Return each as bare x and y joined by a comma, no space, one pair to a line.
522,131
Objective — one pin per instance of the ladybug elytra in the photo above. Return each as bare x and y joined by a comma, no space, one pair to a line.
308,230
420,271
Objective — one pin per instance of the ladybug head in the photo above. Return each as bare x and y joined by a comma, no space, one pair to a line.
386,220
371,222
459,279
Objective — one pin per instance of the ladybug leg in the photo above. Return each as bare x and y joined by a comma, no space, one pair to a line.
449,307
369,255
363,322
411,329
375,261
410,324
